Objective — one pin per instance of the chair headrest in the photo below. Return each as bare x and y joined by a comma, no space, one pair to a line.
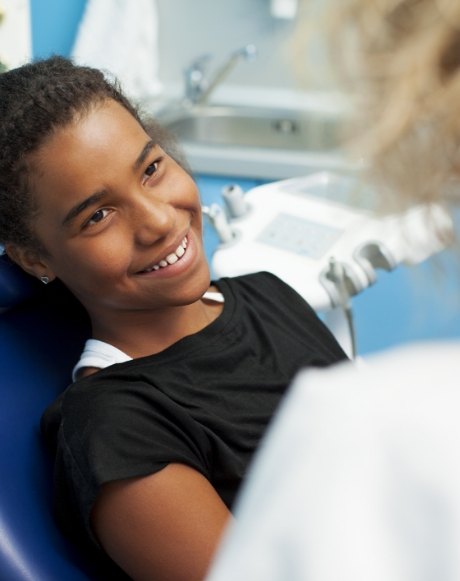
15,285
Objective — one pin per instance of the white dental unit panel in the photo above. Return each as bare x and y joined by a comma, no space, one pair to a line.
317,234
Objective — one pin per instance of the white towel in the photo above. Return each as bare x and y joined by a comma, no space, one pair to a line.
121,37
15,33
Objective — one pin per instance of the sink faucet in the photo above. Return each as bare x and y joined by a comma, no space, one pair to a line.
198,87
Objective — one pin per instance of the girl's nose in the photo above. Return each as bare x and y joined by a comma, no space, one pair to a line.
153,219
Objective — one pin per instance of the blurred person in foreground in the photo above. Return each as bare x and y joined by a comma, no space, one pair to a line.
359,476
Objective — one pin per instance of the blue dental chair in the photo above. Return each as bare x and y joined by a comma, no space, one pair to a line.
42,331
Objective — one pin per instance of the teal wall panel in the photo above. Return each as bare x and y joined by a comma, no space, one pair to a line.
54,26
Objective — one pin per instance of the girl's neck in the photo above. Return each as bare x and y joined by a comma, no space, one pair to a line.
141,333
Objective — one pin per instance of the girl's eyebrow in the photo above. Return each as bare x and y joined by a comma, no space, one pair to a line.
78,208
144,153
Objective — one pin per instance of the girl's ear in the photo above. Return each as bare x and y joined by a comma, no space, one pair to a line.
30,260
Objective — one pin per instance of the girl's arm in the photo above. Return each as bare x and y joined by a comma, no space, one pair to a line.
165,526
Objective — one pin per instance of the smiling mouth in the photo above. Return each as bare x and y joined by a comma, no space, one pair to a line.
170,258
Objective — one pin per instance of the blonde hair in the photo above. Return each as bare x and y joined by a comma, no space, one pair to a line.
401,61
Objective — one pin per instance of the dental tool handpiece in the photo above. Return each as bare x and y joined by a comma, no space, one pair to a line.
337,275
235,203
220,223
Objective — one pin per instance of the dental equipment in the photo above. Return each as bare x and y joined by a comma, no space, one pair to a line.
318,233
219,221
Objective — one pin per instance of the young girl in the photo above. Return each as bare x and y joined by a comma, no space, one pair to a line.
181,377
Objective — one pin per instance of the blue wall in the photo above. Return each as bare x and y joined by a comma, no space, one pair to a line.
410,304
54,26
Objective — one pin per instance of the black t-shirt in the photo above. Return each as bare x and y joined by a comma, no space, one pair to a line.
205,401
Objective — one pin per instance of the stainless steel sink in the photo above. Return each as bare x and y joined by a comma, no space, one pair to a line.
256,142
256,128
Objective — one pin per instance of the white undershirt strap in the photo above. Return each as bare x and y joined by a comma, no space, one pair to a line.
214,296
101,355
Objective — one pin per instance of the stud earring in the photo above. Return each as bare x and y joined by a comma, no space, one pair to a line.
44,279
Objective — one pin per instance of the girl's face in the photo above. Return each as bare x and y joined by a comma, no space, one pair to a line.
114,209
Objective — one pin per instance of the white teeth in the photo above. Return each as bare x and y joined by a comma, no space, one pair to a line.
171,258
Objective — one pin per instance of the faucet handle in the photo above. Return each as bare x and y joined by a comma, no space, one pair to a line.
198,87
194,76
199,63
248,52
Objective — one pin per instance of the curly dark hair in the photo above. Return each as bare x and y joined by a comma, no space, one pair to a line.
35,100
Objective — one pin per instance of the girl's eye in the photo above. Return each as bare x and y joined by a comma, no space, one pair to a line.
151,169
98,216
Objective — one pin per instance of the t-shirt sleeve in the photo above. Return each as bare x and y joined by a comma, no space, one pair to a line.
108,433
296,316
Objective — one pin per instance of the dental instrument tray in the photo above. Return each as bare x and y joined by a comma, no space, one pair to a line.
320,234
